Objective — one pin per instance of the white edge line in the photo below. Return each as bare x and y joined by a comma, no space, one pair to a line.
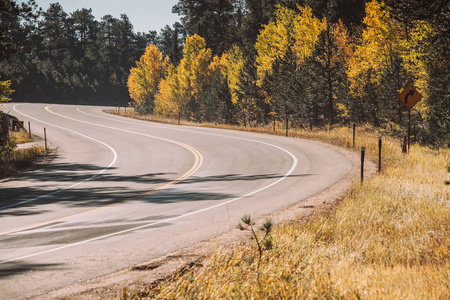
294,165
161,221
73,185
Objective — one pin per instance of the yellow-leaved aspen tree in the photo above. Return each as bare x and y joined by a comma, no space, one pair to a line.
144,79
5,91
306,33
232,63
286,43
184,84
193,71
378,50
300,31
167,99
274,40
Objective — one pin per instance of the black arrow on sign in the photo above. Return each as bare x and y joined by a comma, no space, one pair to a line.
410,93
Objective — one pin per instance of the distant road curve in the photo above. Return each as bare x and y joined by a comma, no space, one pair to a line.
124,191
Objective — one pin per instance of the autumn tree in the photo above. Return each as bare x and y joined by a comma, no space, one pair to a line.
144,79
379,48
181,90
388,57
193,73
232,62
274,40
215,101
5,91
290,29
306,33
167,100
426,24
295,33
326,71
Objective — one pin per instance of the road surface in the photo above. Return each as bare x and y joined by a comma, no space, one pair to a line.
121,191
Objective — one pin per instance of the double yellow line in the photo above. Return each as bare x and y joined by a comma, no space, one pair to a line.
197,164
198,157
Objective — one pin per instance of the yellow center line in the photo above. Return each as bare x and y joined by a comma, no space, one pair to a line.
197,164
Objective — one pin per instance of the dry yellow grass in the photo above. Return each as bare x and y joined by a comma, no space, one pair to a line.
21,137
13,160
388,239
20,159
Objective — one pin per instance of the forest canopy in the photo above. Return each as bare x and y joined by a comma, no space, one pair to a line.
55,56
309,64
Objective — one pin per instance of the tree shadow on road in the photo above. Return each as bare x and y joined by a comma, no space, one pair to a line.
17,268
24,194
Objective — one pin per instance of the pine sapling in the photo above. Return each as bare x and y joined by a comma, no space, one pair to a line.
264,242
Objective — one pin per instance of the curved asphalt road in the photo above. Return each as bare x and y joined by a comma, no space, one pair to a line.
123,191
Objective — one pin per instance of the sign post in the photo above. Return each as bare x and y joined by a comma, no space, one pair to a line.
409,97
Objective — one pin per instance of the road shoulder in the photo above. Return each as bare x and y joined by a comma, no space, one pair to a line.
144,275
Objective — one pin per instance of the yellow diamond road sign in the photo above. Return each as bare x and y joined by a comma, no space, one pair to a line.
409,96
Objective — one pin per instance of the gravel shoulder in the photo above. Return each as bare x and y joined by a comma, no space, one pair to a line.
142,276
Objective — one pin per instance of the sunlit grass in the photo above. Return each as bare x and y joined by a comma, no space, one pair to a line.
13,159
21,137
387,239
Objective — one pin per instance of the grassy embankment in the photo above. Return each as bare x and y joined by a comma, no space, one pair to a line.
13,160
388,239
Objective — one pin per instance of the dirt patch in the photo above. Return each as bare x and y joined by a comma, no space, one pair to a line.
145,275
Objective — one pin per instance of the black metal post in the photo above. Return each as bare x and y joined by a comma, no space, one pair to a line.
409,127
274,120
363,151
179,118
354,132
379,155
45,139
287,125
29,129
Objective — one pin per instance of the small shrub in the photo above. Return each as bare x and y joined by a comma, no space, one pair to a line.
13,160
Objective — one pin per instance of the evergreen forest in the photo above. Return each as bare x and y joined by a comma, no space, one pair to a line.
304,64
